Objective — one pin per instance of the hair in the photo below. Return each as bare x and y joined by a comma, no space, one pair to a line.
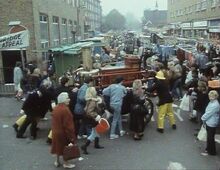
202,85
36,71
63,97
213,94
119,79
88,80
137,84
64,80
91,93
18,64
137,87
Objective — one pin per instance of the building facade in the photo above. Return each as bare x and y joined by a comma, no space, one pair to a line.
195,18
93,16
50,23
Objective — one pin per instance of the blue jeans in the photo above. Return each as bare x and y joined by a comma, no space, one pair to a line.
177,89
93,135
116,118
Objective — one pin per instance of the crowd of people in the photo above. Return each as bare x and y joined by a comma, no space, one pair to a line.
76,111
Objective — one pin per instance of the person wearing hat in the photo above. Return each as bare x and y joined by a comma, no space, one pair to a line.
116,92
165,101
63,130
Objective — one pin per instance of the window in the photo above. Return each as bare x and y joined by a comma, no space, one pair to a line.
64,31
198,7
203,5
55,31
44,45
213,3
70,29
44,29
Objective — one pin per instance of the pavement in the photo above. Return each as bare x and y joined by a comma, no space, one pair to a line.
154,152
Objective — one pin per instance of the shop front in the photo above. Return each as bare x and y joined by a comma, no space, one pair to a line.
214,29
200,29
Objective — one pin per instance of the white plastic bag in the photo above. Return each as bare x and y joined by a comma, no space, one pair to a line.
185,103
202,135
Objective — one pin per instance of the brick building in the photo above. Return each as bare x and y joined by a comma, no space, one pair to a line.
50,23
195,18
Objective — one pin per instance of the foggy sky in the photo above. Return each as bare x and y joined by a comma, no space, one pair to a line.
131,6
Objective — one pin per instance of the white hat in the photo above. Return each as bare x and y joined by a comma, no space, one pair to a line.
63,97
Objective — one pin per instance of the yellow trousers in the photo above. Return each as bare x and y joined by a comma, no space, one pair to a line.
21,120
165,110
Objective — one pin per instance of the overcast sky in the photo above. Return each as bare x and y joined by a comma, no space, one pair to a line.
132,6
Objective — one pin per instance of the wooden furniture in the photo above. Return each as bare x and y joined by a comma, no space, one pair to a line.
107,76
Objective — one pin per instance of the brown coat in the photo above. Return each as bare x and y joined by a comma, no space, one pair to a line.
63,131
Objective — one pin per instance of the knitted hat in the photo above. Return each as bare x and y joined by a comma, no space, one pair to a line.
63,97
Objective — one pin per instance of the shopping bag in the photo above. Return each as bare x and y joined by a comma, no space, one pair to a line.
202,135
21,120
71,152
185,103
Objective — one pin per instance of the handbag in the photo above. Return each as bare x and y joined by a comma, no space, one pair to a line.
71,152
202,135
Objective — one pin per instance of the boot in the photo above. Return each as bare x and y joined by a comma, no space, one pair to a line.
15,126
84,147
97,146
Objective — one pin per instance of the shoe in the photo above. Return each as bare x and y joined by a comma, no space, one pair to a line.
44,119
84,136
141,135
69,166
136,137
21,136
204,154
174,126
49,141
160,130
114,136
15,126
122,133
33,137
56,164
79,137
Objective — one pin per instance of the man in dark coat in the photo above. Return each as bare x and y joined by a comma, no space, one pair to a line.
35,107
165,101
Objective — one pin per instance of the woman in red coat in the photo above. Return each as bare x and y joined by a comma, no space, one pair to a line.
63,131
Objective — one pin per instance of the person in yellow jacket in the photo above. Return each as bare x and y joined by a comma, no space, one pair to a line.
165,101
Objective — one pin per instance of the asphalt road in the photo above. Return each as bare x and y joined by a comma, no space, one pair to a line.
154,152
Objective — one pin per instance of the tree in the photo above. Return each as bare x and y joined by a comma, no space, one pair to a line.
114,21
132,23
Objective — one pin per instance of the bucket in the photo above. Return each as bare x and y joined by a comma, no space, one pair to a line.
103,126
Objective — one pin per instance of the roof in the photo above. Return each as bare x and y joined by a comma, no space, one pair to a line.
73,48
